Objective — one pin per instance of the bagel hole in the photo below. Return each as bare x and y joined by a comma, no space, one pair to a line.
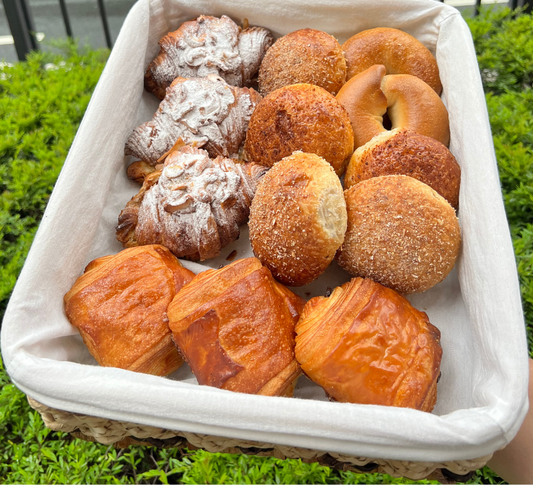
387,123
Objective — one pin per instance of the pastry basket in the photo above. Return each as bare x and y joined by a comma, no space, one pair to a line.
482,396
122,434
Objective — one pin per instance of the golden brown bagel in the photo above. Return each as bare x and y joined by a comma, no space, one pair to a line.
301,117
401,233
366,344
298,218
304,56
404,152
398,51
409,103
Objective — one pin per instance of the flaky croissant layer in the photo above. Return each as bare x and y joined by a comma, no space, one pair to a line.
366,344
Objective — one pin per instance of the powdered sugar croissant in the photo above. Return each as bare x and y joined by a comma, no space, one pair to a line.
206,112
208,45
194,206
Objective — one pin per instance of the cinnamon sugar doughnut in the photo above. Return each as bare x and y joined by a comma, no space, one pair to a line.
298,218
301,117
398,51
404,152
401,233
304,56
408,101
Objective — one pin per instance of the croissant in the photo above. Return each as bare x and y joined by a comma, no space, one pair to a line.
119,306
235,328
208,45
194,206
204,112
366,344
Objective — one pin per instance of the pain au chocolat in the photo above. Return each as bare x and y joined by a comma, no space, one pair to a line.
367,344
235,328
119,306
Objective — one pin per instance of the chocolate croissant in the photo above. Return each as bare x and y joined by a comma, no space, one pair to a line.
366,344
194,206
204,112
119,306
208,45
235,328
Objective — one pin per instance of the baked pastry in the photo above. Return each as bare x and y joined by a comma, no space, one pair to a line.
398,51
193,206
407,101
208,45
401,233
235,328
119,306
404,152
366,344
301,117
205,112
305,56
298,218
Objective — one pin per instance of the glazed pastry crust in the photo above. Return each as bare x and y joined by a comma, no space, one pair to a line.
404,152
401,233
366,344
408,101
194,206
301,117
305,56
235,328
119,306
208,45
298,218
398,51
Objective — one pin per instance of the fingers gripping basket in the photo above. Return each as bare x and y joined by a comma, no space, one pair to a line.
122,434
482,396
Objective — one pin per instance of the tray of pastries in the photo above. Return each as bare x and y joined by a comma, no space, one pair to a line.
282,224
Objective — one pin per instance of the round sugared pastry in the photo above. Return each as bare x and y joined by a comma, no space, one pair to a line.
119,306
401,233
367,344
304,56
404,152
407,101
398,51
301,117
298,218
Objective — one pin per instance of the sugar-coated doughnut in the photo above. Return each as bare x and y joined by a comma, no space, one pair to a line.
367,344
409,103
298,218
301,117
398,51
304,56
401,233
404,152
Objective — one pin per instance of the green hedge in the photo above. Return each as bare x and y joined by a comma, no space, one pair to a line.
42,102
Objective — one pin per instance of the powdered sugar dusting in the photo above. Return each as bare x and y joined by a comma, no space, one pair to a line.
202,111
197,205
209,45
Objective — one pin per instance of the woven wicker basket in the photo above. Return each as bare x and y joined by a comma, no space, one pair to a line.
122,434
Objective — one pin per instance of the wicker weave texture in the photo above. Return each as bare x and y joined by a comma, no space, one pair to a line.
120,433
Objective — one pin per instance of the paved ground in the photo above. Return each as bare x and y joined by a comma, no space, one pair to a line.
87,25
85,22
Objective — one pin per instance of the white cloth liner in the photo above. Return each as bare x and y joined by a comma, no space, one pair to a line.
483,391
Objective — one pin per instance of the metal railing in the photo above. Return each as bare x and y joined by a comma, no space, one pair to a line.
22,27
